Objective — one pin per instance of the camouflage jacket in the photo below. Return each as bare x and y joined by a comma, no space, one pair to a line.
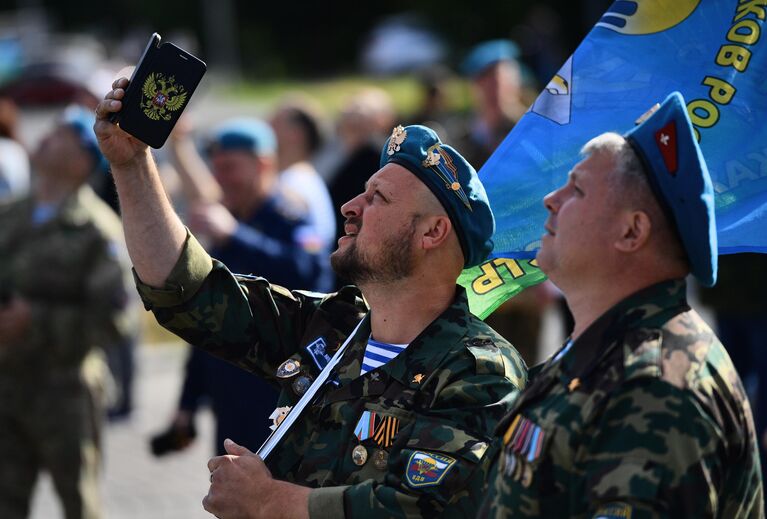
406,439
75,273
643,416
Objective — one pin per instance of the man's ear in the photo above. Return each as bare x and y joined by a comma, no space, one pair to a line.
635,229
435,229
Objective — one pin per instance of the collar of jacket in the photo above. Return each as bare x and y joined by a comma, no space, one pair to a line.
421,357
650,307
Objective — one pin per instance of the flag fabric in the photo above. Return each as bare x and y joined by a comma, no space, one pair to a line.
712,51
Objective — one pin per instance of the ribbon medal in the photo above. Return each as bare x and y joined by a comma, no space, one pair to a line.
523,443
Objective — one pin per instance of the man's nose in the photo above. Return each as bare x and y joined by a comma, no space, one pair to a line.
551,201
353,207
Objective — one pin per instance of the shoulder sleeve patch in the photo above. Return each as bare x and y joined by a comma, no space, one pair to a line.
427,469
642,353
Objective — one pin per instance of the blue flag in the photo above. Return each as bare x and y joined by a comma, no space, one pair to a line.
712,51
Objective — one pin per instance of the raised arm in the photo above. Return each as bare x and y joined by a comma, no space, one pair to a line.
197,181
153,232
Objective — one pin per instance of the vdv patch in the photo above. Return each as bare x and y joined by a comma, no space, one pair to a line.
614,511
427,469
317,350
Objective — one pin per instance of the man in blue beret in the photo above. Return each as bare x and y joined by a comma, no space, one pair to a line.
494,73
641,413
496,86
65,299
402,424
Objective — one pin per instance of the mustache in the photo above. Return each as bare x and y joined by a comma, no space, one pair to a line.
355,222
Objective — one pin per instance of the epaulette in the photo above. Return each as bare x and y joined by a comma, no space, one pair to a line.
487,355
642,353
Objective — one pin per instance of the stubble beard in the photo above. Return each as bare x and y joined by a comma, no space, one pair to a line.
394,261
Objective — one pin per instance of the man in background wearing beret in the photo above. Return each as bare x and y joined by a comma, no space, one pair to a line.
65,290
641,413
402,425
253,227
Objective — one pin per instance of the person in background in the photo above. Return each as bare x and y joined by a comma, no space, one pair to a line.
65,296
297,126
14,161
247,222
496,85
739,302
359,133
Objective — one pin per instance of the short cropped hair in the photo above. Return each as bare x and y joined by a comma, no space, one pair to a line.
631,188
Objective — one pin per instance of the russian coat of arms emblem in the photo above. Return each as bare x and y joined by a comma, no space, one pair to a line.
162,95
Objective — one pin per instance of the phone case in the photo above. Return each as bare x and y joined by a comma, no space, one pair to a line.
159,91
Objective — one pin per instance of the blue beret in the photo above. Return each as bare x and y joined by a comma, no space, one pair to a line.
678,175
452,180
251,135
81,121
486,54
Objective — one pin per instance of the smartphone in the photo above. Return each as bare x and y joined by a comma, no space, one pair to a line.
160,89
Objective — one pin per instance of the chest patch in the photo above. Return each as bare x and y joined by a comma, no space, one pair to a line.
426,469
317,351
614,511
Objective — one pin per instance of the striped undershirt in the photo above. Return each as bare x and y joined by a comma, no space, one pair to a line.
379,353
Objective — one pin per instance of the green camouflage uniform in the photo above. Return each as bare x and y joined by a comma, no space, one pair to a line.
644,416
74,272
436,403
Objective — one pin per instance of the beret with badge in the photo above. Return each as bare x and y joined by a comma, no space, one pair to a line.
678,175
452,180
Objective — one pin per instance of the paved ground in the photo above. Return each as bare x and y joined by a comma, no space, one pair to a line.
135,483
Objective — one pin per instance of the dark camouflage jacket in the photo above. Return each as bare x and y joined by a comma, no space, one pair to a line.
406,439
75,273
644,416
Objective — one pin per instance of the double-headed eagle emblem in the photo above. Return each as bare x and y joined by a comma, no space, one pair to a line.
162,96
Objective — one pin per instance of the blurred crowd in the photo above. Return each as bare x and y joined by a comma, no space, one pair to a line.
265,196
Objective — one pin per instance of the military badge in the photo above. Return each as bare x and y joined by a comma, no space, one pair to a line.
426,469
442,164
523,443
398,136
162,95
278,415
359,455
289,368
365,427
317,350
301,384
386,430
380,459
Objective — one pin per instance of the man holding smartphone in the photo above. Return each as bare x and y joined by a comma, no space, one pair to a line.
403,424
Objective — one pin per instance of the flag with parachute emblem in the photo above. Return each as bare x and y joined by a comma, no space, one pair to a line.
713,52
